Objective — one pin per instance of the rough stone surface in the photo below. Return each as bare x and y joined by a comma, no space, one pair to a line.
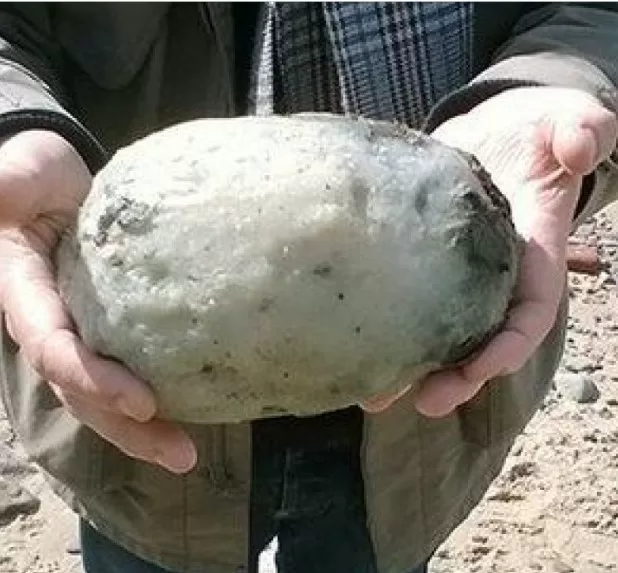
256,267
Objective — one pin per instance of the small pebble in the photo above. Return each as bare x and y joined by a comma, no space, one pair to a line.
603,279
579,364
74,547
577,387
562,567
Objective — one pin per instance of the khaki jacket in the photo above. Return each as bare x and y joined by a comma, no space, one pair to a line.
104,74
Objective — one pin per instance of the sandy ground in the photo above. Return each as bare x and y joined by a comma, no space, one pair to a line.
554,508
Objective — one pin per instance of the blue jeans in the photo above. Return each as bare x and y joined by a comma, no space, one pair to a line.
307,490
100,555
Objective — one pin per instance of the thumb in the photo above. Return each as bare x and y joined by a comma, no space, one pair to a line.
580,141
40,174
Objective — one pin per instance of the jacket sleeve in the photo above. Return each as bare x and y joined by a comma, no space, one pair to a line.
31,90
560,44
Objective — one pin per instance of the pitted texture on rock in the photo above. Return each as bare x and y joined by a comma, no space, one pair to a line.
256,267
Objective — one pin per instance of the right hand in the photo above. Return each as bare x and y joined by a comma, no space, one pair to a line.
43,180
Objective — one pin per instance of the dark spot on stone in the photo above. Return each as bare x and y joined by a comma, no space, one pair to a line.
360,197
232,396
207,368
323,269
357,330
334,390
273,410
116,260
215,342
340,296
327,187
420,199
228,354
206,248
472,343
132,217
136,218
504,267
286,374
473,199
498,200
107,219
194,320
266,303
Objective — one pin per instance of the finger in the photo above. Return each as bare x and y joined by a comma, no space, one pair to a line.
582,139
506,353
382,402
63,358
442,392
21,186
43,330
155,441
16,203
40,172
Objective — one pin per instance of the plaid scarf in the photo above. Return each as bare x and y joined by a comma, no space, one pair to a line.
384,60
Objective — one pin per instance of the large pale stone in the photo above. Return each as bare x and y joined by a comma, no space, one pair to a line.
255,267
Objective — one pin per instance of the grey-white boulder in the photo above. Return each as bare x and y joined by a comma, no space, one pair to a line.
256,267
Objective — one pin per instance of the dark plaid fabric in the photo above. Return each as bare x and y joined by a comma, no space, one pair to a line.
383,60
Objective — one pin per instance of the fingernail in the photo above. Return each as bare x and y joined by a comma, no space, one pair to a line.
140,410
180,457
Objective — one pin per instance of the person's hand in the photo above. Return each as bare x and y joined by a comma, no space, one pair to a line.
42,183
537,143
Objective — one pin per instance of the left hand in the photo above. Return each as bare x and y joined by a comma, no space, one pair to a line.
537,143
